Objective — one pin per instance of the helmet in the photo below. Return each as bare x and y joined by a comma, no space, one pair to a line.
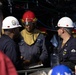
60,70
65,22
10,22
29,16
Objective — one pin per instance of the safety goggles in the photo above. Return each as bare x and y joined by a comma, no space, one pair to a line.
28,23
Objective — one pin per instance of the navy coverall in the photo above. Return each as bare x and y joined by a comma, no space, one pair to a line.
35,52
67,54
8,46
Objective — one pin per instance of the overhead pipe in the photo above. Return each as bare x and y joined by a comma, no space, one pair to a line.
10,5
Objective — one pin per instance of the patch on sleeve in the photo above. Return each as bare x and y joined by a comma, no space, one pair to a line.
73,50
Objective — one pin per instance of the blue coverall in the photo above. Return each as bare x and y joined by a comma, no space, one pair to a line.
9,47
35,52
67,54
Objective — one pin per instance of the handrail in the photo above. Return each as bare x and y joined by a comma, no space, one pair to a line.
31,70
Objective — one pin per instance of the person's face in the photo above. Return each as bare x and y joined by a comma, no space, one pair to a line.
60,31
29,27
16,32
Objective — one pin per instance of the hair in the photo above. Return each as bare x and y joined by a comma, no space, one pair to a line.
69,30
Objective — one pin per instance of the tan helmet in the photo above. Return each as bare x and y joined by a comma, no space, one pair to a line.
10,22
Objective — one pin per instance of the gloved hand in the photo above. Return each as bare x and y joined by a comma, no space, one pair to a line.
25,62
40,62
